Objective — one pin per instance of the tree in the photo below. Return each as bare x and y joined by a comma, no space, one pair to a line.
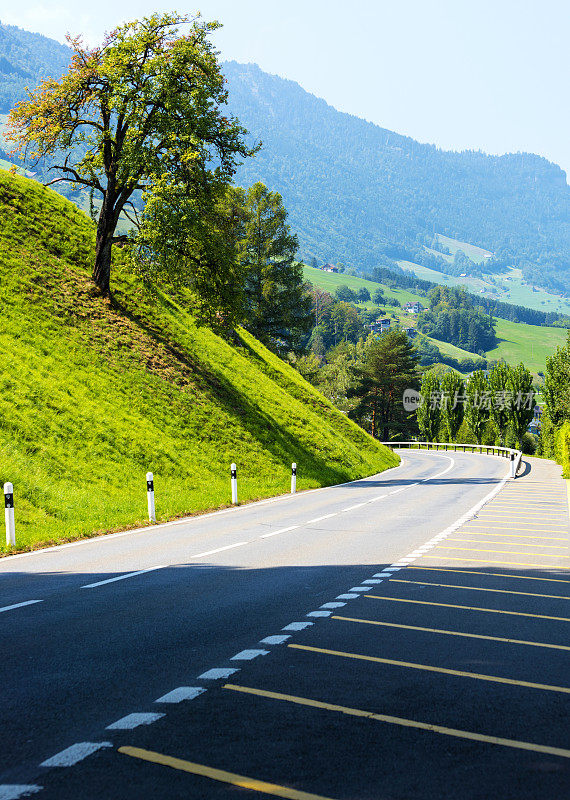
378,297
145,104
362,295
390,367
277,301
499,380
453,408
428,412
477,406
521,408
345,293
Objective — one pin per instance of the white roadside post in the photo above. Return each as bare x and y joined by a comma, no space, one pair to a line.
9,514
150,496
293,478
513,467
234,484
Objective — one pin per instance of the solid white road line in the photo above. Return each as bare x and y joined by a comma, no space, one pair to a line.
132,721
19,605
248,655
72,755
216,673
180,694
13,791
122,577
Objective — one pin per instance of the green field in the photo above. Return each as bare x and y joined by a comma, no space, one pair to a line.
530,344
476,254
507,287
95,392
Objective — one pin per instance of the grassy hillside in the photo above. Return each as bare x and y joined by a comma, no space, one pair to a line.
95,393
530,344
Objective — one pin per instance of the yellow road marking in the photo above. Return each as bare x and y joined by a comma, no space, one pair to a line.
504,552
529,505
542,517
485,531
492,574
520,544
219,774
495,561
453,633
465,608
407,723
429,668
516,525
480,589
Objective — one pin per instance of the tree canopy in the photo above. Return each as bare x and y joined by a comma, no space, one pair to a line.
146,104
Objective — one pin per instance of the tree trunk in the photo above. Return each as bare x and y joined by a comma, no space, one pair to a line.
103,245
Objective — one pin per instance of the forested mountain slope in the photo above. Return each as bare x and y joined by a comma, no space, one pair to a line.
95,392
359,193
355,191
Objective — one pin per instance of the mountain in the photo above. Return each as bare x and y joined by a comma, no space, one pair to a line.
26,58
358,193
363,195
95,393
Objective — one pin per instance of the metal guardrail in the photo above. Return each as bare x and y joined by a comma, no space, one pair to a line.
515,456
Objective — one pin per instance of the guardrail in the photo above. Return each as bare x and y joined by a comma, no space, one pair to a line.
514,456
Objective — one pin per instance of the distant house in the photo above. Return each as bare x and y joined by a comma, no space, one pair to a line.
536,421
382,325
411,332
414,308
329,268
463,275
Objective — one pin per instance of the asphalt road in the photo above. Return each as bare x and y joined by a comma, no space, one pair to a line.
346,643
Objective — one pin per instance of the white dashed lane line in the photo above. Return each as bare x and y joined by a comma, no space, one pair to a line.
74,754
297,626
132,721
248,655
122,577
278,639
180,694
19,605
13,791
217,673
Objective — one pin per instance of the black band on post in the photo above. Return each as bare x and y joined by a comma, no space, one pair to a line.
8,501
150,486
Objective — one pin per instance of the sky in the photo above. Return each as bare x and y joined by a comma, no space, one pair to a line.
491,75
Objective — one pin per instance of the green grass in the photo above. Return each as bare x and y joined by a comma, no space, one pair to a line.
476,254
94,393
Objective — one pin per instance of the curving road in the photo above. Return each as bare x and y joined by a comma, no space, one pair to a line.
243,643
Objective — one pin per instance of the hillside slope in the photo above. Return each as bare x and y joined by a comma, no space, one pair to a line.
354,190
94,394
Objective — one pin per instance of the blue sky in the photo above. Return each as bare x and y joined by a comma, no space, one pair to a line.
491,75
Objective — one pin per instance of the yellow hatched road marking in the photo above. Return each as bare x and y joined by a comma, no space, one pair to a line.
513,536
429,668
485,531
542,517
465,608
504,552
407,723
530,505
481,589
492,574
219,774
504,563
453,633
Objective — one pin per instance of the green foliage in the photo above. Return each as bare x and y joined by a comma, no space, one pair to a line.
362,295
96,392
477,404
521,408
145,105
277,304
453,407
389,368
452,318
428,412
562,448
499,386
346,294
378,297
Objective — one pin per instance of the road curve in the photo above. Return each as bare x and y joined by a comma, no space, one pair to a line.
124,620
